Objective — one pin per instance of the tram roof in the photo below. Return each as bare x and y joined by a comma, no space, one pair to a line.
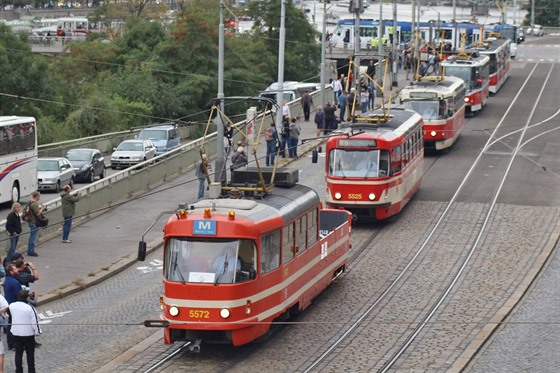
288,203
434,85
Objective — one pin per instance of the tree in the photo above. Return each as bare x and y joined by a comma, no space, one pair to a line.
546,13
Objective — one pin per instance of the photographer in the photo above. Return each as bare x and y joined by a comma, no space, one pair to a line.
26,274
35,212
68,210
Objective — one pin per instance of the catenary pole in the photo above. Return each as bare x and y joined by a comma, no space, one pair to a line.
282,41
323,62
220,161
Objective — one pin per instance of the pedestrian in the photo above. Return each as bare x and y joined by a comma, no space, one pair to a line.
4,314
295,131
407,64
25,326
239,159
306,104
271,138
319,120
11,290
286,110
371,70
342,105
330,118
68,202
337,88
364,99
13,227
371,94
284,135
35,210
201,173
26,275
350,102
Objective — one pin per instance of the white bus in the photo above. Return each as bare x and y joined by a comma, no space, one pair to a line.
18,157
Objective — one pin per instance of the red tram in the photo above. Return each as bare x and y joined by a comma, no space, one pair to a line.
441,103
233,266
500,59
375,164
474,70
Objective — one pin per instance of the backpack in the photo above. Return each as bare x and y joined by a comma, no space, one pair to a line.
268,135
26,213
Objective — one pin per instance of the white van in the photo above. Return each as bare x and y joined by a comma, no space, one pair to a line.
165,137
292,90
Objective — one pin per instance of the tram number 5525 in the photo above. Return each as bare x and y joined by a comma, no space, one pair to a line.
199,314
354,196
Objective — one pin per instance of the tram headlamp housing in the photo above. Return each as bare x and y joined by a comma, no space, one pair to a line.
371,196
467,99
225,313
337,195
433,133
173,311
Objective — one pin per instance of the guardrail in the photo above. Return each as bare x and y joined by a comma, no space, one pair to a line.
108,192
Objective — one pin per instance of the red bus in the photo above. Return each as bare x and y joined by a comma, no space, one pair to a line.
441,103
474,70
374,165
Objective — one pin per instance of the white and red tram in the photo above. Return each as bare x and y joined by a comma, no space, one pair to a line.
500,60
233,266
474,70
441,103
375,164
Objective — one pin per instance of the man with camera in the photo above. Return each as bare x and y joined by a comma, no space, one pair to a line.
68,210
35,212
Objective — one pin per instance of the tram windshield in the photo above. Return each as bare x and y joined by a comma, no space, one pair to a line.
463,72
427,109
358,163
210,261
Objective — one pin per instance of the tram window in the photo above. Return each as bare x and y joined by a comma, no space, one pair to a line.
395,159
442,110
301,226
384,161
270,251
311,227
288,243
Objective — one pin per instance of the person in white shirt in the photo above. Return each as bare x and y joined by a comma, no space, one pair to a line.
286,110
337,89
3,308
25,326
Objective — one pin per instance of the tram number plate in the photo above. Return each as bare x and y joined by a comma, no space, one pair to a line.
354,196
199,314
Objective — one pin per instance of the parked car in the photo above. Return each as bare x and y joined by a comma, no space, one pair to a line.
54,173
165,137
538,30
132,152
87,164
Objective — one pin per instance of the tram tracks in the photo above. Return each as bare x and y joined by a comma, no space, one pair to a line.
430,243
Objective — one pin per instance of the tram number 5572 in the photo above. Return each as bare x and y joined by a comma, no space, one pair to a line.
199,314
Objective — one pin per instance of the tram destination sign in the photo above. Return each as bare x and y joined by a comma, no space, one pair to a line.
357,143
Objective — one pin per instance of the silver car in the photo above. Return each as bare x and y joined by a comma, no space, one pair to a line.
54,173
132,152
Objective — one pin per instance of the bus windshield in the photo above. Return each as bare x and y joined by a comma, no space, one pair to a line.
358,163
209,261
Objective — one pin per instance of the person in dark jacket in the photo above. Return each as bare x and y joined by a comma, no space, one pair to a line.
330,118
13,227
68,210
306,104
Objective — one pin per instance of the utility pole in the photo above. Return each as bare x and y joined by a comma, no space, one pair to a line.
220,161
323,63
394,46
357,7
282,41
532,14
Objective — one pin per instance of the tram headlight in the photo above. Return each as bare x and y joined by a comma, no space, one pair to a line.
467,100
225,313
433,133
337,195
173,311
372,196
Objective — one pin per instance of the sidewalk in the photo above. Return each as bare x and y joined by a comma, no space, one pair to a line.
107,244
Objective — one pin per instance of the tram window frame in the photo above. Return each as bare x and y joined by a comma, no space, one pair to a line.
270,251
396,159
312,227
301,234
288,242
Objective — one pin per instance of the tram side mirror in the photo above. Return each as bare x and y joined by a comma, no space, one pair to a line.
320,149
141,251
314,156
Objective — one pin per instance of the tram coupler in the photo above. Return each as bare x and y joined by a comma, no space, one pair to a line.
195,347
156,323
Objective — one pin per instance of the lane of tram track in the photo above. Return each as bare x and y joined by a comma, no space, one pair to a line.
411,329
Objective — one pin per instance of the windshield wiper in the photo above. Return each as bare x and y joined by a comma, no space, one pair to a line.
178,270
223,272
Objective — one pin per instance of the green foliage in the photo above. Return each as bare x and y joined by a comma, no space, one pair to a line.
546,13
155,72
